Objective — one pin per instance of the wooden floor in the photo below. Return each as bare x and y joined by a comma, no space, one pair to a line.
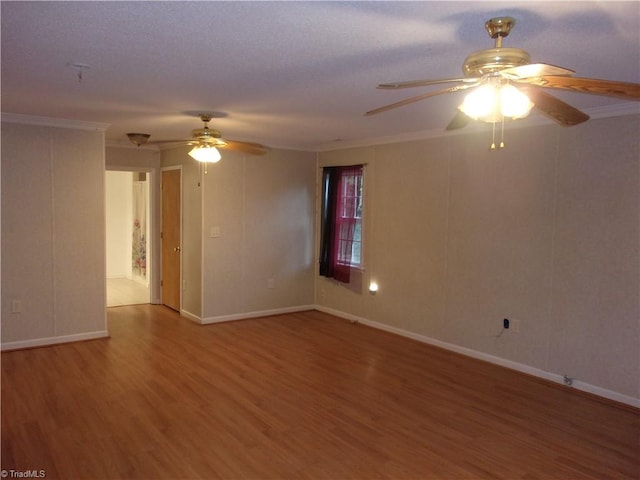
298,396
125,291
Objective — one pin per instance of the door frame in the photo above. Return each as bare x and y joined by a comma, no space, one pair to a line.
153,239
163,169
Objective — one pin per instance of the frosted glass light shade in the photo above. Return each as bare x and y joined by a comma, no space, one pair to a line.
491,103
205,153
480,103
514,103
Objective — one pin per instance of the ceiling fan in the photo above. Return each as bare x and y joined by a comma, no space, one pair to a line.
205,139
497,70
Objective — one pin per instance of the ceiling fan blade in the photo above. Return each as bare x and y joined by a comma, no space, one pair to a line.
417,98
460,120
246,147
534,70
422,83
554,108
625,90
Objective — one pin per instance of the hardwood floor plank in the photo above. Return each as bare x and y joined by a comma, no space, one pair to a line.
298,396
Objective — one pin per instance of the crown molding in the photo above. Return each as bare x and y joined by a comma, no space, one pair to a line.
53,122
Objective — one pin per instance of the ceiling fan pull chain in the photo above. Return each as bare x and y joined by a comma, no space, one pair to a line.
502,135
493,136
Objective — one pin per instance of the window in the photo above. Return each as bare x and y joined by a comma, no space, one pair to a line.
349,219
341,221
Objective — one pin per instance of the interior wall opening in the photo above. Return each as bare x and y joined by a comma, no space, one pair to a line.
128,242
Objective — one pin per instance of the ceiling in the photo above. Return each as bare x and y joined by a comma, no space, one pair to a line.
296,75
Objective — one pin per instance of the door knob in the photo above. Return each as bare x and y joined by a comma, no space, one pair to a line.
176,249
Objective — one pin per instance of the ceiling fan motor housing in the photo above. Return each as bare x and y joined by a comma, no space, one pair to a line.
208,136
493,60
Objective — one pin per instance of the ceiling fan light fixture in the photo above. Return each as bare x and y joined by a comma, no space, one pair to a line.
514,103
480,103
492,103
205,153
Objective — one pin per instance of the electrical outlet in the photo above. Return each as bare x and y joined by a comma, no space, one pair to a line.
511,324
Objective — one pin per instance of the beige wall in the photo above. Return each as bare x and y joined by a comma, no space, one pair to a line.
262,207
131,158
544,232
119,223
53,234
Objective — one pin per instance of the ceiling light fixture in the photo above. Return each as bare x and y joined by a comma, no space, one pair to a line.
495,101
138,138
205,153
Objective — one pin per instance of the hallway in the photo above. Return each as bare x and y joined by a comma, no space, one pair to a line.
123,291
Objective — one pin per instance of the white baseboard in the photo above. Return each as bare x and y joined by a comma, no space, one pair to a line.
191,316
44,342
256,314
520,367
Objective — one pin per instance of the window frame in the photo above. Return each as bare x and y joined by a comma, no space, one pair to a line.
341,220
356,196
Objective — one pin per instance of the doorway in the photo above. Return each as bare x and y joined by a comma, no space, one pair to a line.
128,228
